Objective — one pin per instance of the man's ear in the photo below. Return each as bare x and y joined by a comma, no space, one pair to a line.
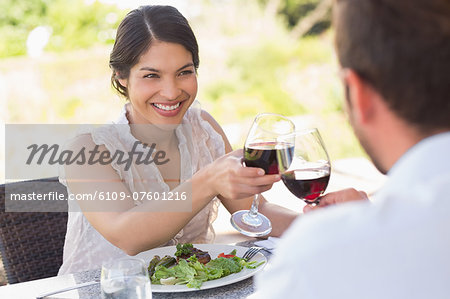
361,96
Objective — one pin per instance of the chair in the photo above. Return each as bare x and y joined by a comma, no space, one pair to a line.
31,243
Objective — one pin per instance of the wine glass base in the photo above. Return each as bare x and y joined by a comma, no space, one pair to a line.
260,228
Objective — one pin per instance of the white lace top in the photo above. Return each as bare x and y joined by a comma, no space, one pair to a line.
85,248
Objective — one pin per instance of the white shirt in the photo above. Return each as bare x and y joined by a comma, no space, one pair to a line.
397,246
199,144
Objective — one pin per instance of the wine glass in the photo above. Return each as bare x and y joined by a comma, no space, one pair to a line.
260,150
308,173
125,278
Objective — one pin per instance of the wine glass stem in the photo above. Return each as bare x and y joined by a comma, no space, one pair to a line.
254,209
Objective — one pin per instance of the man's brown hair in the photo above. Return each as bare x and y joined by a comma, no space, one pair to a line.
401,48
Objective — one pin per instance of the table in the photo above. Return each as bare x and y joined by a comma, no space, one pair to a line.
31,289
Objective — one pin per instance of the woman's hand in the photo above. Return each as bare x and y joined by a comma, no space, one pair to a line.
338,197
230,179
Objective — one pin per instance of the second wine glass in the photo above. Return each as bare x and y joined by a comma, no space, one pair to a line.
308,171
260,150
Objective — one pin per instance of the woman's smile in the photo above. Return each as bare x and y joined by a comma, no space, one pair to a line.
168,109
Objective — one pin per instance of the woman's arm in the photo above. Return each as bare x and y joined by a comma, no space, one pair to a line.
280,217
138,228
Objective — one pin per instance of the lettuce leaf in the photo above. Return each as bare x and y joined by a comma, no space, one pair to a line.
227,265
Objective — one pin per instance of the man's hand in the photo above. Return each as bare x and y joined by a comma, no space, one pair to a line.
337,197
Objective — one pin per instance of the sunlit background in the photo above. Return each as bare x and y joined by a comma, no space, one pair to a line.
255,56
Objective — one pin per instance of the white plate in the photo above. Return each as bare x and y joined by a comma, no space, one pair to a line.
214,250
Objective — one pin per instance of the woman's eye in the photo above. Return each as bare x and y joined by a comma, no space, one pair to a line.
151,76
186,72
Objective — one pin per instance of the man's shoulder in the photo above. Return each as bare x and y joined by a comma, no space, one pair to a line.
389,236
390,217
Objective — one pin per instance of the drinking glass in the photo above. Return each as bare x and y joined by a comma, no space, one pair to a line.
125,278
308,173
260,150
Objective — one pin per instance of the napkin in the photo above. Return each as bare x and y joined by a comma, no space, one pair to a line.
268,244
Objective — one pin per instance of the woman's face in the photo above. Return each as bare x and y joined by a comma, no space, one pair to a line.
162,85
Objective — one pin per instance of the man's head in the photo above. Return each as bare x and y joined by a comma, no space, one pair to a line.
401,49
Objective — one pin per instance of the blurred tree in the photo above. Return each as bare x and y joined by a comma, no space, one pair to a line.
17,19
303,17
312,19
74,23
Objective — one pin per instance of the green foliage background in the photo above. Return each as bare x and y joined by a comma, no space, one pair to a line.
291,11
75,25
249,64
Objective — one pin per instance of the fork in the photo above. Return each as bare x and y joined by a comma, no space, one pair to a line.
251,252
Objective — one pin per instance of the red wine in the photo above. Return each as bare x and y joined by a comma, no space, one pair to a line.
264,155
307,184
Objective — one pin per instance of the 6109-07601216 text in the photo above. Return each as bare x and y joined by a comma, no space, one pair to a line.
100,195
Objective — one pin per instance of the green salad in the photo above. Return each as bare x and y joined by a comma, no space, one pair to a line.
191,272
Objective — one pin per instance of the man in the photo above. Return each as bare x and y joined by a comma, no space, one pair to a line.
395,59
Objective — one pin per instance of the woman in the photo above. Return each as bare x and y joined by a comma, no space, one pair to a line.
154,65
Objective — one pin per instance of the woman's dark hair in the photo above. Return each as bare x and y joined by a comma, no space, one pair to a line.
402,48
137,31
